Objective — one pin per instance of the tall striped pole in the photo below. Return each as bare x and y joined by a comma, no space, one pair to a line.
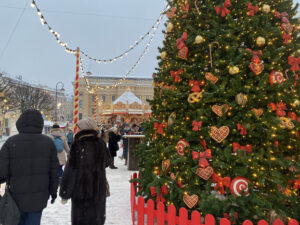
95,103
76,93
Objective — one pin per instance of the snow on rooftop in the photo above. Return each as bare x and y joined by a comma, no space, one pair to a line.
129,97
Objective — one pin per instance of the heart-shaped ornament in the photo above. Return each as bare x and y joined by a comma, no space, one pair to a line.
219,109
212,78
219,134
183,53
258,112
256,68
190,201
205,173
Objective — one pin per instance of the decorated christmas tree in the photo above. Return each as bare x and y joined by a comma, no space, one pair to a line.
224,138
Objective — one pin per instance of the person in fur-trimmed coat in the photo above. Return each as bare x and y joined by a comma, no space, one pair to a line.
84,178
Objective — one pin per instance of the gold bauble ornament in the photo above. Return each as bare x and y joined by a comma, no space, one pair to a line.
296,102
298,51
266,8
234,70
260,41
241,99
170,27
163,55
199,39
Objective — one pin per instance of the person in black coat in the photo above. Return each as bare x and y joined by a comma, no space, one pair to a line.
84,178
113,146
28,162
125,131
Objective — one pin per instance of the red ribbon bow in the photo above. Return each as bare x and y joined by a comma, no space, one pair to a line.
279,108
242,129
175,75
247,148
294,62
224,11
196,85
286,37
283,16
180,41
160,196
202,156
196,125
186,8
252,9
221,183
297,183
293,116
160,127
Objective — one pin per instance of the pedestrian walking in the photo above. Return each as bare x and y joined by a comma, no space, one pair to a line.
113,146
84,179
70,137
62,148
29,165
125,131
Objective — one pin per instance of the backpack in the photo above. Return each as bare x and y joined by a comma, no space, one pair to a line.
58,144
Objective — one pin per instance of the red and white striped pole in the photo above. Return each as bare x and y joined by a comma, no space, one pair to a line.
95,103
76,93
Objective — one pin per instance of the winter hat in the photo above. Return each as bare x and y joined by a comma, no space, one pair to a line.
87,124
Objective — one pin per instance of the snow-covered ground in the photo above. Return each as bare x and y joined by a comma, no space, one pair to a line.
117,205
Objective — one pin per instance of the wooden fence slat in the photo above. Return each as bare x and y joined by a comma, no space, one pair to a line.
293,222
150,212
278,222
247,222
225,221
183,216
132,202
262,222
210,220
141,211
196,218
160,214
171,215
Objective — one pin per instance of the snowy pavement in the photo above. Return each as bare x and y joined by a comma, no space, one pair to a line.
117,205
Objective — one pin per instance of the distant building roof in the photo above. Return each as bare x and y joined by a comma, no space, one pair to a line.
129,97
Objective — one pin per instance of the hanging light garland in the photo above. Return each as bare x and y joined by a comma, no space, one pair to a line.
120,81
111,60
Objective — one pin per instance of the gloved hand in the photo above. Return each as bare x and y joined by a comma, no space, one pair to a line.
64,201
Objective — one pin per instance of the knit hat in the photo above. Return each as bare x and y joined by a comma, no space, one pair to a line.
87,124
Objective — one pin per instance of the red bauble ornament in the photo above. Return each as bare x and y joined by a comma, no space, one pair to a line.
182,145
276,77
239,185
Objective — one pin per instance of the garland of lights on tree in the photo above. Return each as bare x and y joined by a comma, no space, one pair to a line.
224,138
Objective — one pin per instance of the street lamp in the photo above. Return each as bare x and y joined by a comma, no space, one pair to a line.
61,89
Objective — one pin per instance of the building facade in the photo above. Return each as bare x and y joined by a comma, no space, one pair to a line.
141,87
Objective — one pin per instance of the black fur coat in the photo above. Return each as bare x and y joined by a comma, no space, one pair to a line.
84,178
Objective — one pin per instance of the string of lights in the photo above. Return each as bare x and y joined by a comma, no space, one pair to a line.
120,81
111,60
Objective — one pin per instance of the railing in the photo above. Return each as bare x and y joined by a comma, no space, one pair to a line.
139,210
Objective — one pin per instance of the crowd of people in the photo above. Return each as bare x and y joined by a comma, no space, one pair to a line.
32,165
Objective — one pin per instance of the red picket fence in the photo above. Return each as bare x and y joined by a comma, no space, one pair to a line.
161,216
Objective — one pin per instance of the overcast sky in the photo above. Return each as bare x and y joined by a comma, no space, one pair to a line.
103,29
